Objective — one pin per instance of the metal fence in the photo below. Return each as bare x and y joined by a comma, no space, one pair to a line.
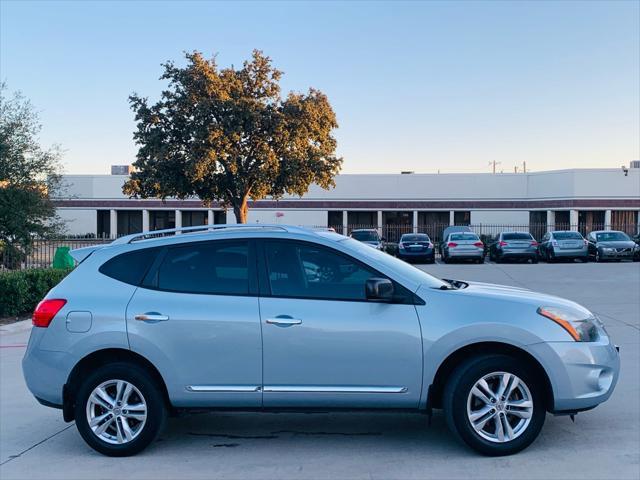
41,252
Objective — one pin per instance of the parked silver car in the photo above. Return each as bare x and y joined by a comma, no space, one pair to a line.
462,246
612,245
277,317
563,244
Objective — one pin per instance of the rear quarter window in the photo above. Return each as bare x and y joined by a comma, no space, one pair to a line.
130,267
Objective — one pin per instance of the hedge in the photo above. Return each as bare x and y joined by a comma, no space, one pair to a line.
21,290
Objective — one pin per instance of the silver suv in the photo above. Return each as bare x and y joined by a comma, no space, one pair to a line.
276,317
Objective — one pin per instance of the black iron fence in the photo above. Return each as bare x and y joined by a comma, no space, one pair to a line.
42,251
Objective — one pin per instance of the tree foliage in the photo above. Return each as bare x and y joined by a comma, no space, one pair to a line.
227,135
28,175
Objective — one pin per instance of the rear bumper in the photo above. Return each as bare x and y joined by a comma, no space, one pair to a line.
582,374
420,254
570,253
465,253
518,254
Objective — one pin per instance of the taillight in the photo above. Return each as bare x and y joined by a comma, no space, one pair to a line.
45,311
586,242
534,244
554,243
478,244
452,244
503,244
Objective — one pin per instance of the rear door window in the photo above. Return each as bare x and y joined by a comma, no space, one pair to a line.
130,267
215,268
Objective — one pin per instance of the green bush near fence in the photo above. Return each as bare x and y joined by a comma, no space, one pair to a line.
21,290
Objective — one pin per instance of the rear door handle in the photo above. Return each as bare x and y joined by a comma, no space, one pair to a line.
284,321
151,317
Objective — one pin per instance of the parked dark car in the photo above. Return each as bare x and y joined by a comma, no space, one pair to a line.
563,244
416,246
636,239
611,245
514,246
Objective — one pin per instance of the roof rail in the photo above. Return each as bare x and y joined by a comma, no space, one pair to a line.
199,228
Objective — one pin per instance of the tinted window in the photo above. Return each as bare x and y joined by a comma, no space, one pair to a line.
464,236
567,236
130,267
415,238
299,270
517,236
365,236
612,237
215,268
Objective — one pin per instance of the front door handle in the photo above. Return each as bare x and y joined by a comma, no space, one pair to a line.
284,321
151,317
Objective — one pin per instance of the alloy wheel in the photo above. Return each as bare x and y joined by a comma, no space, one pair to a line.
116,411
500,407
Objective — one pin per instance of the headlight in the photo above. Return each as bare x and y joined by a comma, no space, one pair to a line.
582,326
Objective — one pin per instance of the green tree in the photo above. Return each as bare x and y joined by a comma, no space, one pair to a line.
28,176
228,135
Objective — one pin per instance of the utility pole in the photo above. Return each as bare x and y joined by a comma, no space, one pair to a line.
493,164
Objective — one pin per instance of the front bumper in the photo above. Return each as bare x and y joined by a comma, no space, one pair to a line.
582,374
615,255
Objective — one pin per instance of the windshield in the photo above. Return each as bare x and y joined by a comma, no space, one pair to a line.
421,237
399,267
517,236
612,237
463,236
365,235
567,236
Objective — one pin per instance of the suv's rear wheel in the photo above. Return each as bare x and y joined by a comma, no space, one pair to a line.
494,404
119,410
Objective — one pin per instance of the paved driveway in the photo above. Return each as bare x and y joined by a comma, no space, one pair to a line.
603,443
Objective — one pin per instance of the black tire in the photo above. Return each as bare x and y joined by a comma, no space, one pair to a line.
445,259
457,392
597,258
534,259
152,393
431,259
481,260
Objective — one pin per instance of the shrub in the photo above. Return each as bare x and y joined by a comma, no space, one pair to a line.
21,290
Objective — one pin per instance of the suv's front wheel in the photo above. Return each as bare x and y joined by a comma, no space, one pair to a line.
494,404
119,410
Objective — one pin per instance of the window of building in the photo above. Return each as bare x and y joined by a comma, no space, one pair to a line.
217,268
129,221
103,229
194,218
462,218
162,219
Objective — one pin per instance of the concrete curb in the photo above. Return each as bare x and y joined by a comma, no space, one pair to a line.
19,326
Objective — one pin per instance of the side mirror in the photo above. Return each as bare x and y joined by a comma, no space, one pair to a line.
380,289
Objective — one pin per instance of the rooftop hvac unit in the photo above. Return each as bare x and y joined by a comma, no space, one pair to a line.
120,169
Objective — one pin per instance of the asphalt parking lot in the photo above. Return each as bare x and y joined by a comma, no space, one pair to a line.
603,443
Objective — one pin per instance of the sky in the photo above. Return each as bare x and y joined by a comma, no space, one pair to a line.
421,86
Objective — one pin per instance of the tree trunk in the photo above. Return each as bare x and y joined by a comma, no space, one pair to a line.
241,210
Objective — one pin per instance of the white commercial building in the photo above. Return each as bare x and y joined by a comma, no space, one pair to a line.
584,199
